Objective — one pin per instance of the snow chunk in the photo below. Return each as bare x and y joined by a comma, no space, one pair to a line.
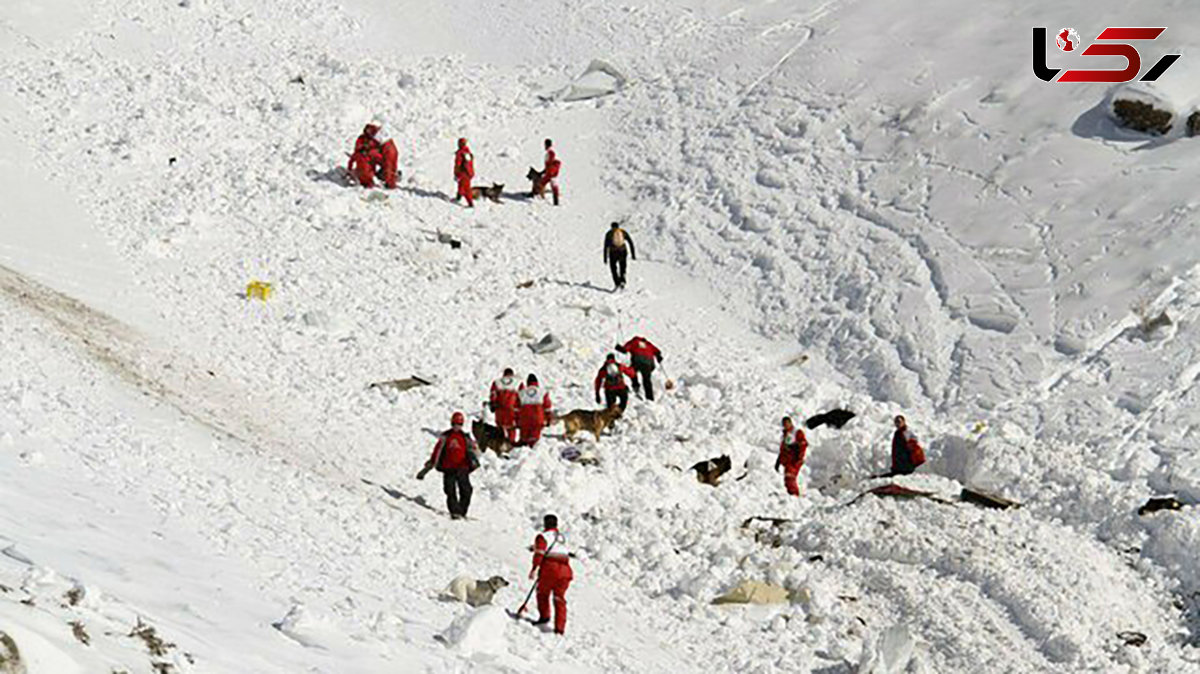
480,631
599,79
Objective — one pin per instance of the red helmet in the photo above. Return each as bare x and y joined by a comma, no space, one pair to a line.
457,419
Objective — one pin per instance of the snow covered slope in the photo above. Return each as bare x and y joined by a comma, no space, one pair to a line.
858,204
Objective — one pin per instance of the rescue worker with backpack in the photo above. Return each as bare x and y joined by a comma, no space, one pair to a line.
455,456
372,159
533,411
503,403
617,247
907,452
793,448
643,356
552,567
612,376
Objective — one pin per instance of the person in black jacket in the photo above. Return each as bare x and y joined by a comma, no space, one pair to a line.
618,244
907,452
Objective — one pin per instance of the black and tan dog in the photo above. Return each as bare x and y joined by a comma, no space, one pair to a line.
590,420
709,472
493,193
535,178
490,437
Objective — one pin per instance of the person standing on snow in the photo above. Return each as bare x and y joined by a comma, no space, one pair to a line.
793,448
533,411
464,171
644,355
552,567
612,375
455,455
617,245
371,159
549,173
907,453
503,403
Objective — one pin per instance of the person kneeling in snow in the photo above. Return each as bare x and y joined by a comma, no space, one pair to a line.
792,450
455,455
907,453
372,159
552,566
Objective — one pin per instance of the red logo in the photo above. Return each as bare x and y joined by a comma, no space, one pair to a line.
1110,42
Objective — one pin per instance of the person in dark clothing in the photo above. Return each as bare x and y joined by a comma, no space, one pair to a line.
455,455
907,453
618,245
644,355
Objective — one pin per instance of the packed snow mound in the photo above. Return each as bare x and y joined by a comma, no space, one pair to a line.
479,631
891,652
599,79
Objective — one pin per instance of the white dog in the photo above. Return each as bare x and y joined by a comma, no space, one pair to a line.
473,592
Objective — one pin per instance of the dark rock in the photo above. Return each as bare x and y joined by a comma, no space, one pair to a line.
1142,117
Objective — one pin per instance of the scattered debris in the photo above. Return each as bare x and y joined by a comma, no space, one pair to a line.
298,79
1150,324
1193,124
1135,639
835,418
162,667
896,491
774,521
10,657
547,344
80,633
149,636
1141,116
1160,503
987,500
583,457
75,595
400,385
797,361
449,240
526,284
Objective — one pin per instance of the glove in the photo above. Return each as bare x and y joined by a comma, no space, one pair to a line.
777,465
597,398
658,358
424,471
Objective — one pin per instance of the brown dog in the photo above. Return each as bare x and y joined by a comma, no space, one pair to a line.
493,193
490,437
590,420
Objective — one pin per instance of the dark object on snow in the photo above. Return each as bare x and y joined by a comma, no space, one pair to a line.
547,344
773,521
454,243
836,418
1160,503
490,437
1193,124
1135,639
986,500
1150,324
298,79
171,161
400,384
897,491
526,284
1142,117
709,472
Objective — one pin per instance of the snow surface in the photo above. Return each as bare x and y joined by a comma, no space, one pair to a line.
836,204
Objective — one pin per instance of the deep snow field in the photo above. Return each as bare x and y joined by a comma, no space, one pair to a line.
836,203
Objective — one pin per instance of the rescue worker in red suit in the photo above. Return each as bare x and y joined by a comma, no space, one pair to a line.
371,159
552,566
455,455
464,170
612,376
504,401
907,453
793,447
533,411
644,355
549,174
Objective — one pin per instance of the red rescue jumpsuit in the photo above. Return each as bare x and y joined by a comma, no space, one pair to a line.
791,457
369,156
549,172
553,567
504,402
532,412
464,170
